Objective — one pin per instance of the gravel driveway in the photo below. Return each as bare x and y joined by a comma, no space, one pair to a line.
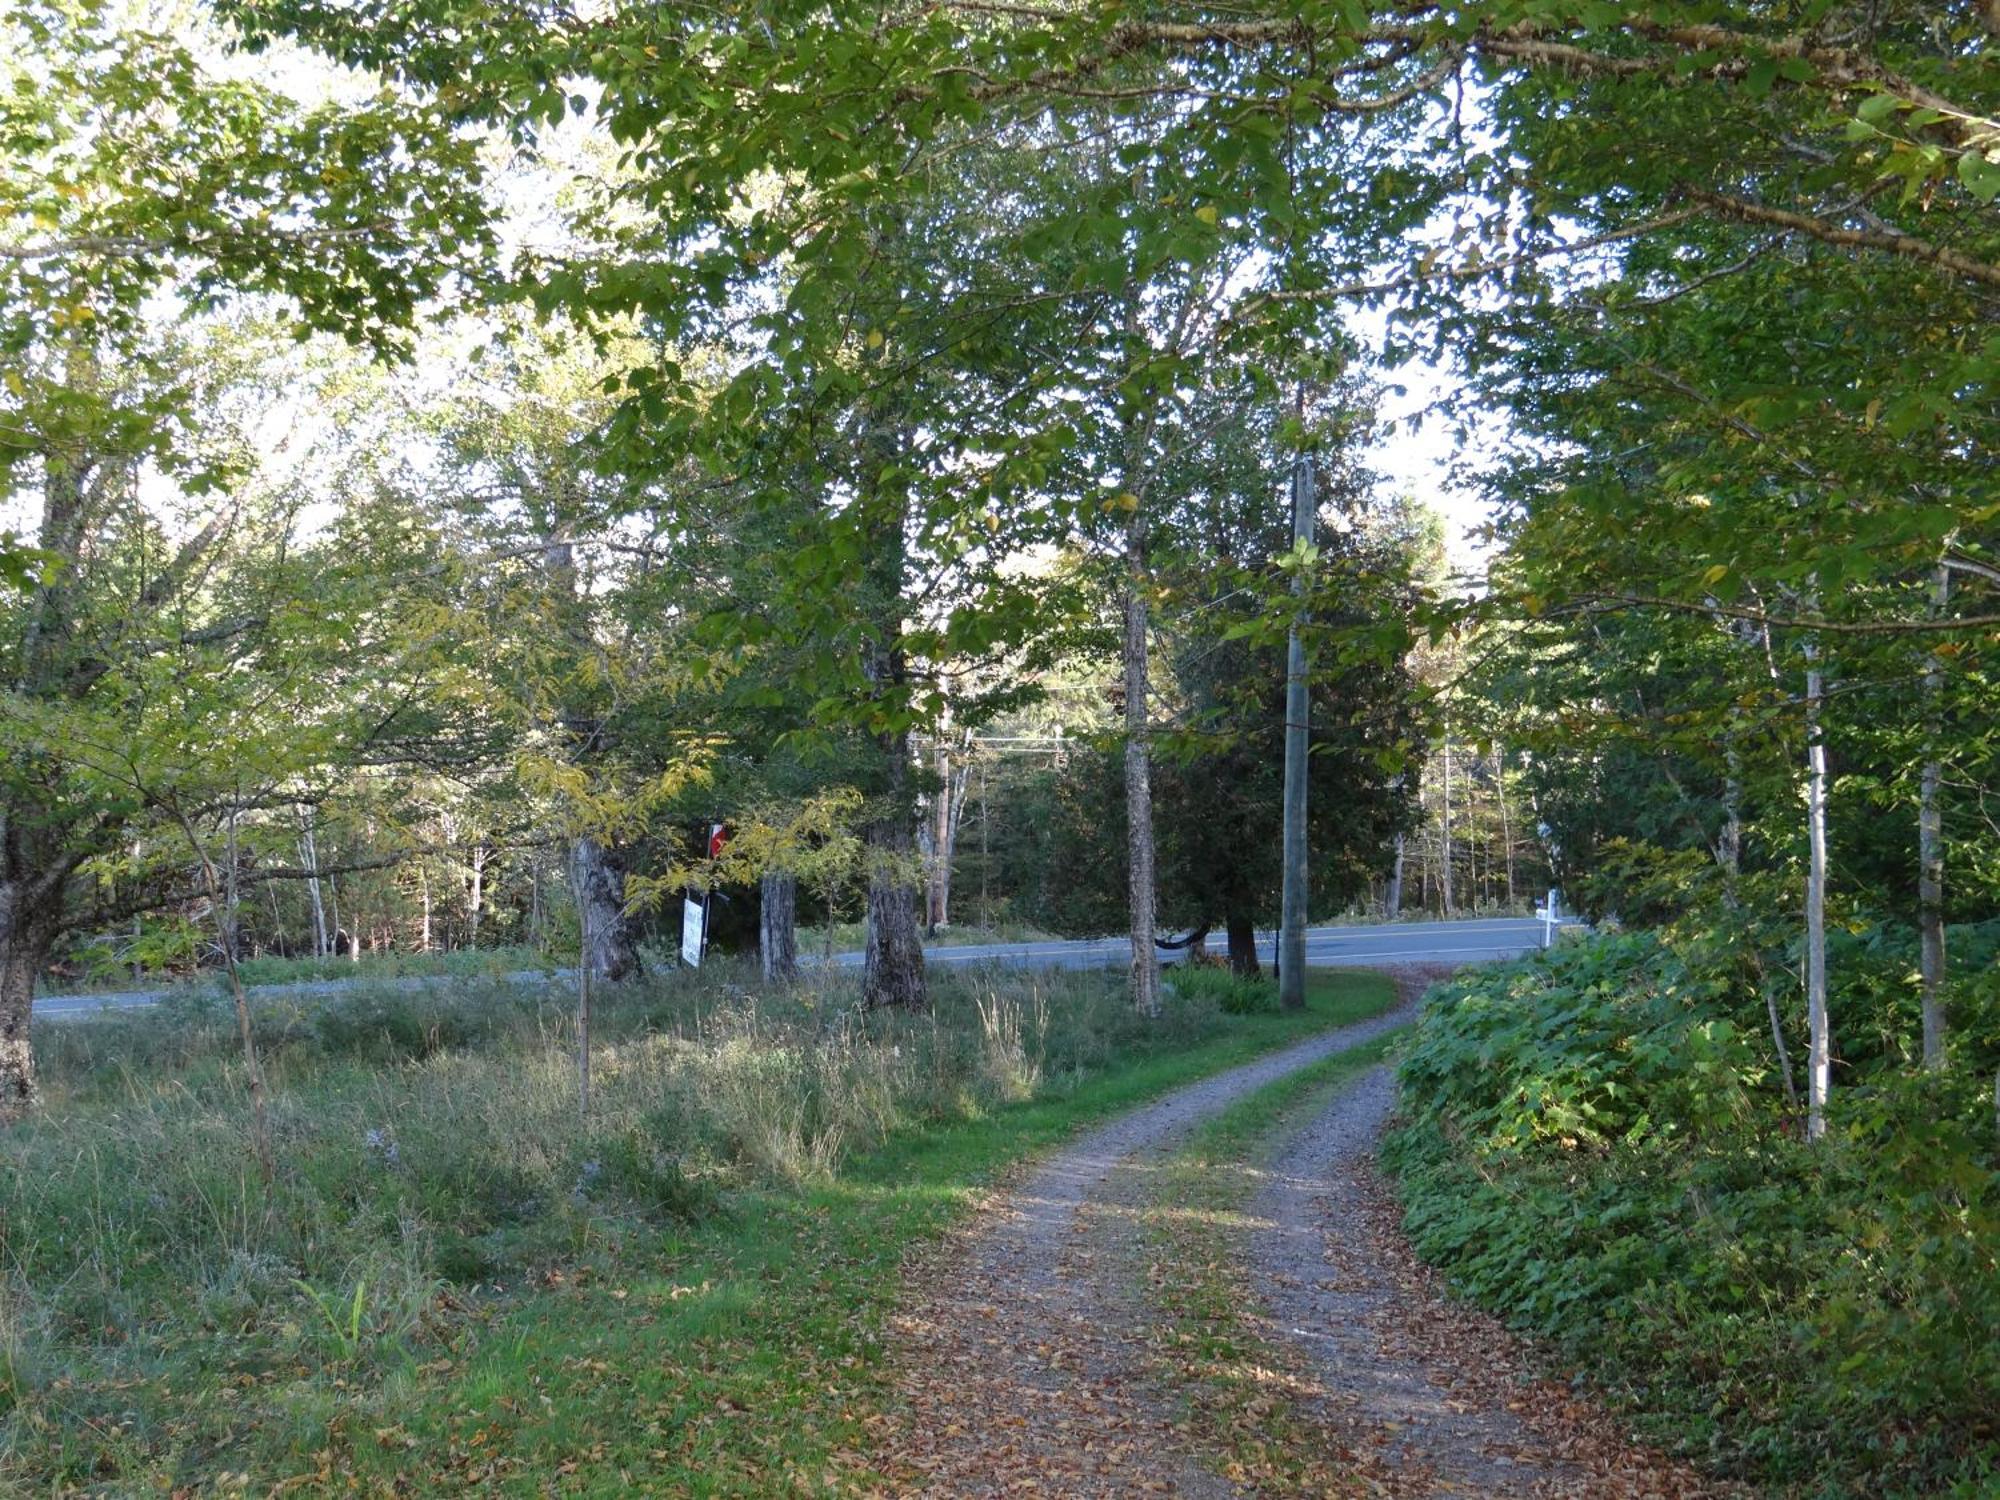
1024,1354
1023,1351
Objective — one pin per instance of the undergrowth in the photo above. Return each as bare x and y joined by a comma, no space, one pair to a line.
1598,1147
1233,994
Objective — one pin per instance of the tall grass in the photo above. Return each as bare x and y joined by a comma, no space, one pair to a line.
272,969
432,1157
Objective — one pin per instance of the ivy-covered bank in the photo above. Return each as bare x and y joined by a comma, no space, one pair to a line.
1596,1143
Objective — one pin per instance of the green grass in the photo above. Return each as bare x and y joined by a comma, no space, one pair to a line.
1238,1385
458,963
687,1294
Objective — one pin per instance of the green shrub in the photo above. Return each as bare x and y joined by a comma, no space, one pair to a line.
642,1169
1596,1145
1231,993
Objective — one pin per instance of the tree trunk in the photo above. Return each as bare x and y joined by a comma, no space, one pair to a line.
1444,835
892,972
985,854
586,938
535,903
1139,849
953,779
1930,852
1729,844
280,943
930,817
1475,877
605,937
937,890
1506,820
777,928
1392,899
1819,1063
230,948
1242,929
1293,894
893,966
25,939
316,898
476,900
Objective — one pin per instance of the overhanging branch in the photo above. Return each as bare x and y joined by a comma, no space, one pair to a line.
1890,242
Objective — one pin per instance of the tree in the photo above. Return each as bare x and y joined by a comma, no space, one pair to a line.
567,544
340,213
1223,548
1723,614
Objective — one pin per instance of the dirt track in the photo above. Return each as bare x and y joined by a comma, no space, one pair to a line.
1024,1352
1024,1356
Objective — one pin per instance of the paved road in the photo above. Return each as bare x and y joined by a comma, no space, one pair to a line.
1465,941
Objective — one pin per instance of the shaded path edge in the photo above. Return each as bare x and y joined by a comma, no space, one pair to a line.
1420,1384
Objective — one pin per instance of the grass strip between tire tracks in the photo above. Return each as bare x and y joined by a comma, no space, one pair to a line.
1243,1389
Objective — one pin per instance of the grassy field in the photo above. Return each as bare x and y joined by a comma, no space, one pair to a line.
478,963
269,969
455,1281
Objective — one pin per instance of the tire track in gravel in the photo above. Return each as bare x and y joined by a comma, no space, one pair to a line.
1023,1357
1432,1393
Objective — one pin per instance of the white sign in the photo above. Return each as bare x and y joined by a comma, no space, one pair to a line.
694,930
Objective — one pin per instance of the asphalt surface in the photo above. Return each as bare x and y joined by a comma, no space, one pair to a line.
1466,941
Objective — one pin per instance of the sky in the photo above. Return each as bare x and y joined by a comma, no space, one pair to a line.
1416,460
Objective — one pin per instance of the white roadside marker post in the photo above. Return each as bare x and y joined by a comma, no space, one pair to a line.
1549,913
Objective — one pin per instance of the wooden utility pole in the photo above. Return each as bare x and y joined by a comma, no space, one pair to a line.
1298,744
1139,851
1444,831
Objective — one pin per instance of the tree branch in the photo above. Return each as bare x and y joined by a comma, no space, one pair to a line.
1605,603
1890,242
133,245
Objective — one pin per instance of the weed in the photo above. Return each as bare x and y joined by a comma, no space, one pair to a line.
1232,994
342,1324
